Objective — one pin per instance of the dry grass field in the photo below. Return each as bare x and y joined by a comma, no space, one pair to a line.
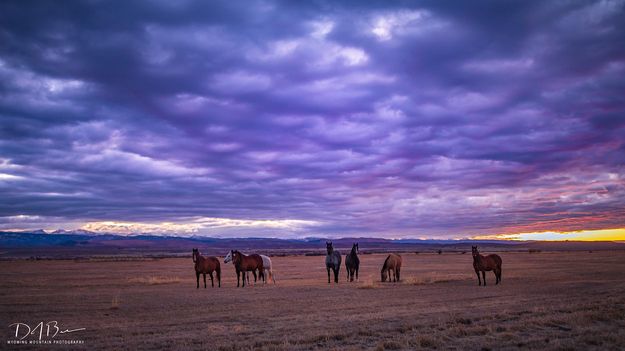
560,301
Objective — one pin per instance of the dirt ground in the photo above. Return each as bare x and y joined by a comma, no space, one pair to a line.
570,300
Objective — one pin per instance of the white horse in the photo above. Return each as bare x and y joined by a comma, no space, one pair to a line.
266,265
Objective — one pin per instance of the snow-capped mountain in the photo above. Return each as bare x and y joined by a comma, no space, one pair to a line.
74,232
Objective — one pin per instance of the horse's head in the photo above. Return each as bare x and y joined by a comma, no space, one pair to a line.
383,275
329,247
236,257
355,247
474,251
228,257
196,253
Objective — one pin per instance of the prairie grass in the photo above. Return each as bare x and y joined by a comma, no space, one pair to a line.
368,283
434,278
154,280
544,302
115,302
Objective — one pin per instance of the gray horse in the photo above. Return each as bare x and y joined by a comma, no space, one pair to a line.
333,261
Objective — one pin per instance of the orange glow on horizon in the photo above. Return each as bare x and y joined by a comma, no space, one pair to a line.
617,234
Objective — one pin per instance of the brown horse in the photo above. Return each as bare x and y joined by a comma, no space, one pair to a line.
244,263
486,263
205,265
392,262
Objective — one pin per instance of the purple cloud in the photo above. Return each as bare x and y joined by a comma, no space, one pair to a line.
425,119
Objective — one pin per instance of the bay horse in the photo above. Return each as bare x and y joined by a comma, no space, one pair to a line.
352,263
333,261
244,263
392,262
267,265
482,264
205,265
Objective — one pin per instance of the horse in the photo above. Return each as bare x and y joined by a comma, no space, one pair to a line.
268,268
352,263
333,261
205,265
244,263
482,264
266,265
392,262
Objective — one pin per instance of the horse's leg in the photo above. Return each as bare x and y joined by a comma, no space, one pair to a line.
398,271
484,277
254,273
328,268
479,281
238,273
197,277
356,273
204,280
336,275
212,283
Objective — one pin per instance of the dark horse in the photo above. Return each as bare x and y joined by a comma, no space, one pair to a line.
333,261
205,265
352,263
245,263
486,263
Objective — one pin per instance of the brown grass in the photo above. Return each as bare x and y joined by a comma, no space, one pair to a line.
115,302
155,280
554,301
368,283
433,278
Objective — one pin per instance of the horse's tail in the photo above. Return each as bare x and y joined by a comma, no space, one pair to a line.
218,270
269,275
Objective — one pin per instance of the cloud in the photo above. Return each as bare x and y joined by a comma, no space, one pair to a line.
198,226
426,119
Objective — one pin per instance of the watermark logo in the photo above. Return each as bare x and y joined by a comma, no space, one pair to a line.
43,333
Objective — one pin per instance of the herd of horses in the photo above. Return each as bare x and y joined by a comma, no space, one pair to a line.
391,268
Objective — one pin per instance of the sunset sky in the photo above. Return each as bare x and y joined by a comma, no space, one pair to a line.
416,119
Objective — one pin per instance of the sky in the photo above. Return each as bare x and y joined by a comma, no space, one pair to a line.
416,119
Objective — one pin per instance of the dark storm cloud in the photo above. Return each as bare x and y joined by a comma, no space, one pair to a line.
409,118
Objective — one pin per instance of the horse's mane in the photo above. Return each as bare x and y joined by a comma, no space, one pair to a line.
386,261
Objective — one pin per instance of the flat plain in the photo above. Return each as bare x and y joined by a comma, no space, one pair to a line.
547,300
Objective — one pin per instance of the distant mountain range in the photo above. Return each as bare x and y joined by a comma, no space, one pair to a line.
74,232
84,243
